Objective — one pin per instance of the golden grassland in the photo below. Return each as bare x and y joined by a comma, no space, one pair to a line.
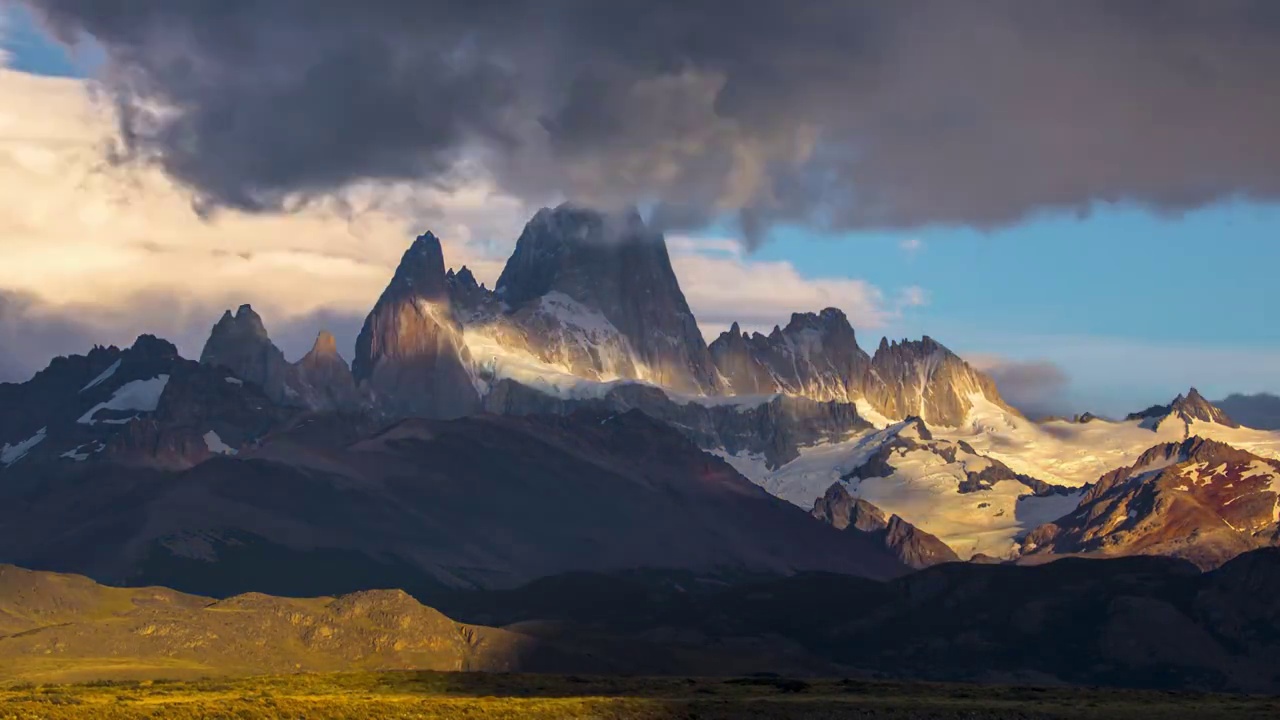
433,695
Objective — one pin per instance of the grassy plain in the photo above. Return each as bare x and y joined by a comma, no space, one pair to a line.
458,696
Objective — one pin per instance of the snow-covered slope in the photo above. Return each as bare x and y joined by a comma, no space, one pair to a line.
1073,454
971,502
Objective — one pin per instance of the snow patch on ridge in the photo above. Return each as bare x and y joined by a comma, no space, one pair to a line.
141,395
10,454
104,375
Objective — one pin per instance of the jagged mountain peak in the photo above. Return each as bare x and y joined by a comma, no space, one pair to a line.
1190,407
913,546
421,271
562,248
614,265
827,318
154,348
410,349
326,345
907,347
816,355
924,378
245,323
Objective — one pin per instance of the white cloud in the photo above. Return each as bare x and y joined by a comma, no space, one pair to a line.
912,246
724,285
118,251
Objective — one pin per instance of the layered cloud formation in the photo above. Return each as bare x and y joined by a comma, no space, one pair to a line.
833,113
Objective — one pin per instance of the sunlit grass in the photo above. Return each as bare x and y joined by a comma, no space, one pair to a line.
429,695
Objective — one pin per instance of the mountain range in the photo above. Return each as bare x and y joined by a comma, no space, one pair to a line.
573,419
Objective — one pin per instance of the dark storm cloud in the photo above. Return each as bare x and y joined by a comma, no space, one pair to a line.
835,113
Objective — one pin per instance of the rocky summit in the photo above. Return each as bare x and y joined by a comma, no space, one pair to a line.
817,356
1188,408
614,265
410,353
914,547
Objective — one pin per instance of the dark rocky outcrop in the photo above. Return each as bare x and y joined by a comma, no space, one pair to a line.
321,380
913,546
410,353
240,343
324,379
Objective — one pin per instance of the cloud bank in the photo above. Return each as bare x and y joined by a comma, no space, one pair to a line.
833,113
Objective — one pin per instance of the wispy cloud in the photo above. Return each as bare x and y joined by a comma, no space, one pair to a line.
912,246
912,297
724,285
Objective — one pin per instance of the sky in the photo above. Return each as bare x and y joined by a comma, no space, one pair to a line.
1078,285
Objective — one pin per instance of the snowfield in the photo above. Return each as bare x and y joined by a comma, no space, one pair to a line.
140,395
1073,454
924,489
10,454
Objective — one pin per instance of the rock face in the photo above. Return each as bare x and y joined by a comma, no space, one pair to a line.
817,356
410,352
324,378
925,379
615,266
1201,500
774,428
321,380
1189,408
914,547
241,344
841,510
